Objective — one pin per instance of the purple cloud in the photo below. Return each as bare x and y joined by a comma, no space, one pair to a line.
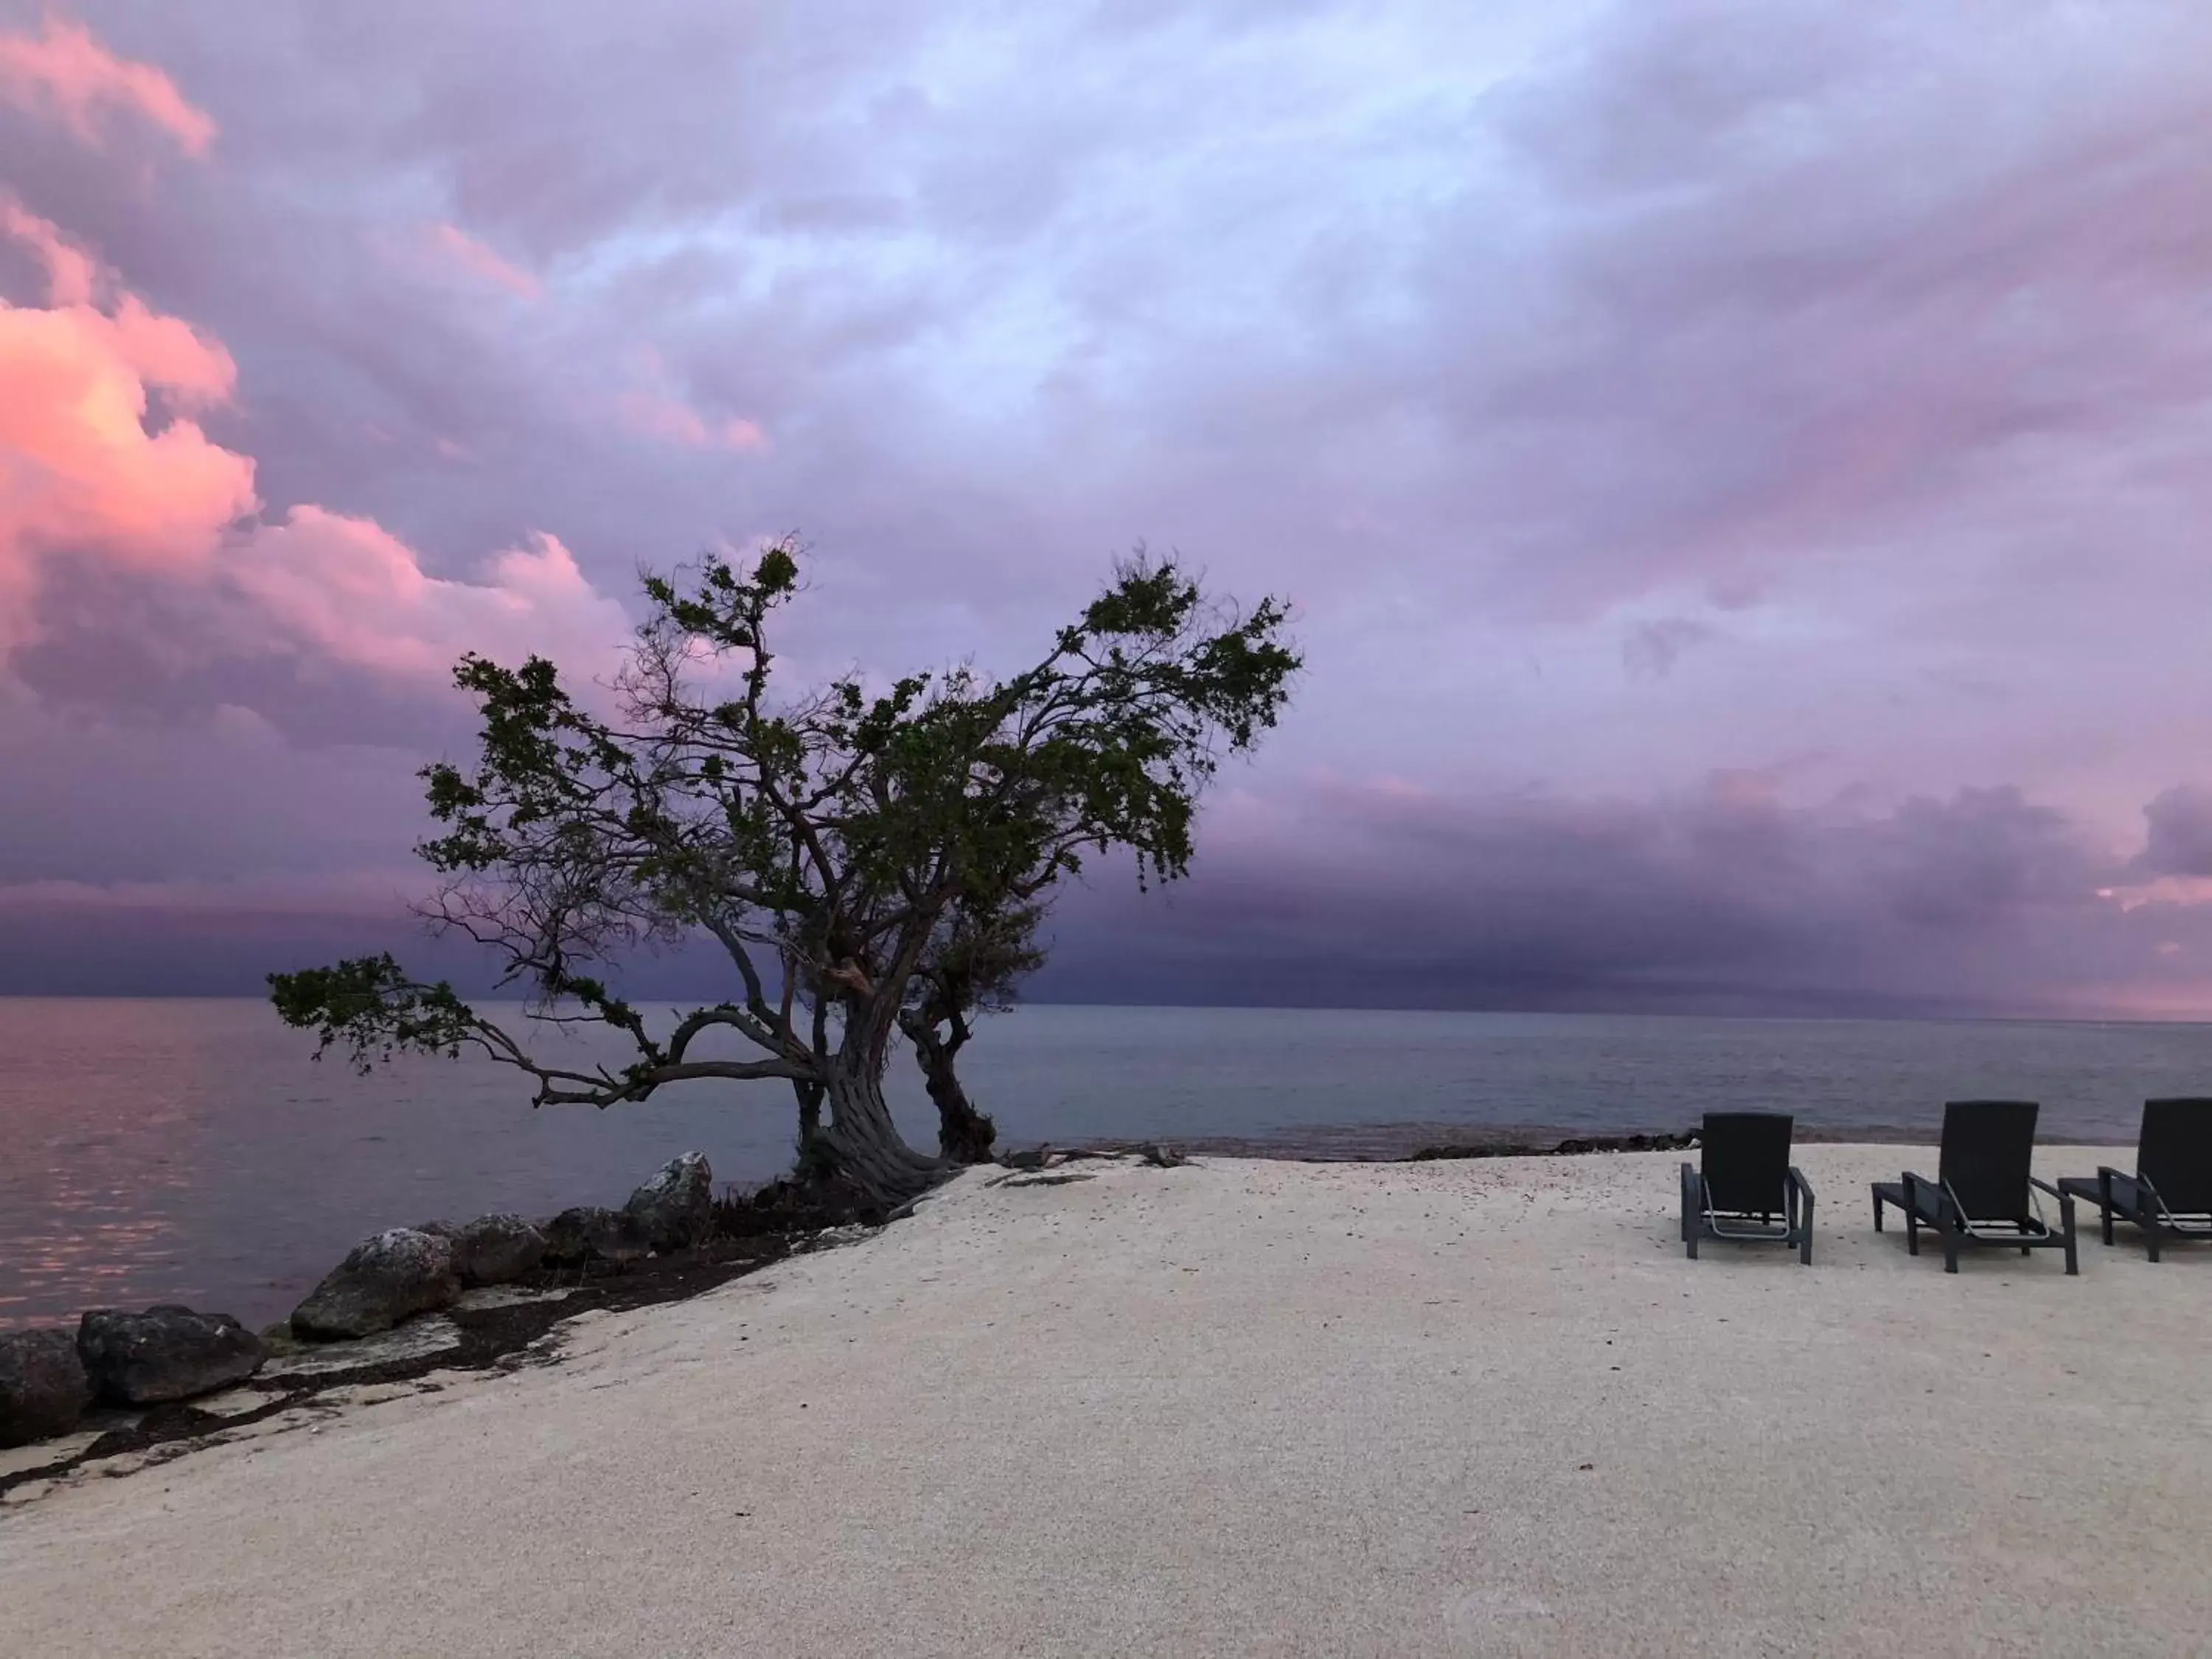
2180,839
1629,396
1717,901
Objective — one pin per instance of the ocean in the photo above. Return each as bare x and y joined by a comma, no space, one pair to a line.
191,1151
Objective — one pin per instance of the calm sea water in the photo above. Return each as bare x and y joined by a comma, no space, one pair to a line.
190,1151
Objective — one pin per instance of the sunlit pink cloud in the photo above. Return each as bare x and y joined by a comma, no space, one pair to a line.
349,590
165,351
66,70
653,415
82,475
79,470
467,253
72,274
655,409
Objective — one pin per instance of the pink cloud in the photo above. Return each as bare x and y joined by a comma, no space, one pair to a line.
67,70
349,590
72,274
465,252
83,476
163,351
79,470
651,414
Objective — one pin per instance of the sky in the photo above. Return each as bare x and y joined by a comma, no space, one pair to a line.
1739,465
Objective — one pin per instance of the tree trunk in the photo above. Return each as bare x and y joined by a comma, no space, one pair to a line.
810,1111
964,1135
865,1143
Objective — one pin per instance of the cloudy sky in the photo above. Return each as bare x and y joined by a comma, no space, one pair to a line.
1741,465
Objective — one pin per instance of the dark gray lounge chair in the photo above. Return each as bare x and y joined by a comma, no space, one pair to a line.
1742,1188
2169,1194
1984,1190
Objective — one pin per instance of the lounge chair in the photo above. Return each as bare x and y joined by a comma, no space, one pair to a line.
2169,1194
1743,1182
1984,1190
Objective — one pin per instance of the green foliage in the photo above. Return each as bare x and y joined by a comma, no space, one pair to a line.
841,847
369,1008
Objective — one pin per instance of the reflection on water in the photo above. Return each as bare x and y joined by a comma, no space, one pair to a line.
89,1173
189,1150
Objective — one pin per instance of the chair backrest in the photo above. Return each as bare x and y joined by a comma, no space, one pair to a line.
2175,1153
1988,1147
1744,1158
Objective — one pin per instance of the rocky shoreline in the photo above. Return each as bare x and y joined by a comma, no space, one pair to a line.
125,1389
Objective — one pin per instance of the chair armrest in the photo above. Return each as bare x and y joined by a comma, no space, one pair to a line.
2139,1199
1797,1178
2065,1206
1939,1199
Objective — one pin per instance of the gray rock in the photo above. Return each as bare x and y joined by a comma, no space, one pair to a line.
382,1280
588,1234
167,1353
43,1387
675,1209
432,1333
485,1297
493,1250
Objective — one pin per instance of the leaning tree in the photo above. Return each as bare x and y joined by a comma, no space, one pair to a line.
982,950
829,846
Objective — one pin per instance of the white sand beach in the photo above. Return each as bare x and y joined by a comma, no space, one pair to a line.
1466,1407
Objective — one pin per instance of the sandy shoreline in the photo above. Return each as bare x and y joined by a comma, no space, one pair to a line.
1480,1407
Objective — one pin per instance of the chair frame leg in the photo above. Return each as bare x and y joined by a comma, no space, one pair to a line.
1693,1222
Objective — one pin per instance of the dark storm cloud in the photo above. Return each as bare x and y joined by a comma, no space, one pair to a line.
1717,901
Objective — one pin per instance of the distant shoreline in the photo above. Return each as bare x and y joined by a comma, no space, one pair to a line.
1756,1016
